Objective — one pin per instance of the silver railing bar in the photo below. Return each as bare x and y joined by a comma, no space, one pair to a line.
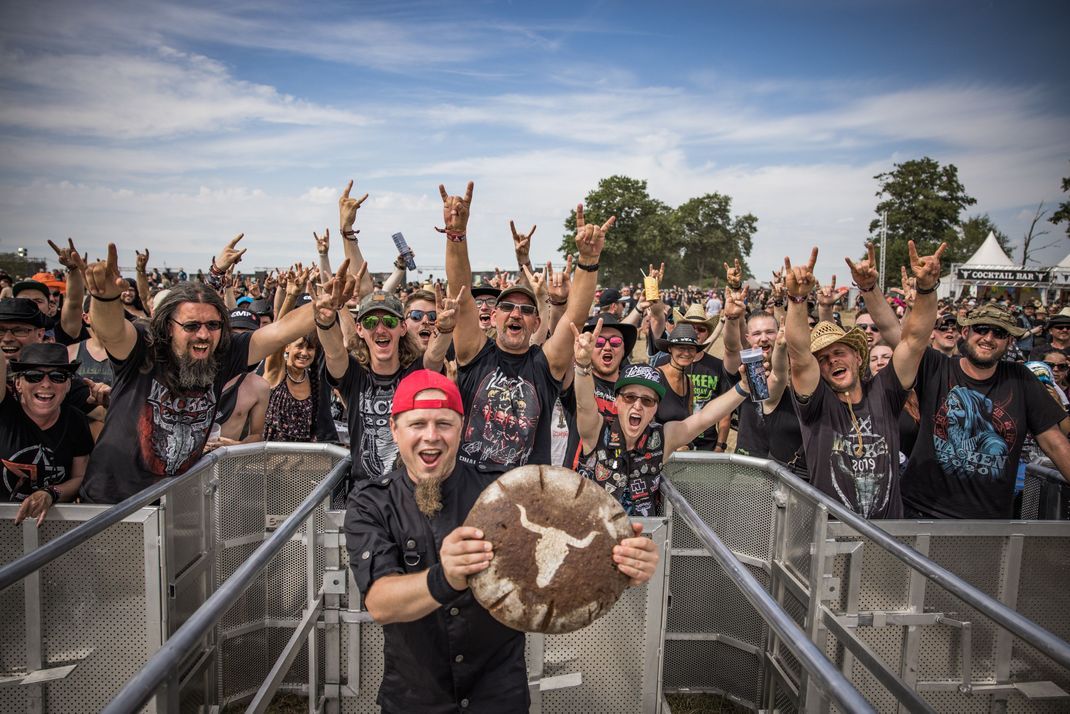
1029,631
823,672
140,688
19,568
1046,473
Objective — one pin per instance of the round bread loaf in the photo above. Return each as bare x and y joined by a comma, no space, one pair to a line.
553,533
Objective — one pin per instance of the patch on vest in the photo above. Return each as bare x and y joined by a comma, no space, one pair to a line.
553,533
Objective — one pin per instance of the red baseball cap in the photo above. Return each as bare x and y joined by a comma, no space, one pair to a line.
420,380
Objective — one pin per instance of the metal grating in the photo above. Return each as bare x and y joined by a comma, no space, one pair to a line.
799,519
711,665
371,669
706,601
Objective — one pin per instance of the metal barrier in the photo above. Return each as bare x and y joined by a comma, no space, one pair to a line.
906,631
1046,495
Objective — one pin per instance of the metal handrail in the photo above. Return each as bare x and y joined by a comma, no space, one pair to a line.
1046,473
1029,631
821,670
19,568
140,688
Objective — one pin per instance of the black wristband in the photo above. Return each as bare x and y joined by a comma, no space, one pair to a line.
100,299
327,327
589,268
928,291
439,587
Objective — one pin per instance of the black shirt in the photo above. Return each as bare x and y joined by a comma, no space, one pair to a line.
457,657
32,458
508,401
707,383
151,432
966,456
606,401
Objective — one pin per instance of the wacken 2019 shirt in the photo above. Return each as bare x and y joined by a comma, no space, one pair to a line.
151,432
855,460
508,400
966,456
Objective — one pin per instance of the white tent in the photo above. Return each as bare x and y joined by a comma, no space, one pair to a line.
991,266
989,255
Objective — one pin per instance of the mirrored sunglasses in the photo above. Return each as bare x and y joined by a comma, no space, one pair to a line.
370,322
33,376
417,315
613,342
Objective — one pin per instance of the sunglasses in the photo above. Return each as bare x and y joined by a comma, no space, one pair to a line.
417,315
998,332
33,376
16,331
613,342
370,322
646,400
524,309
194,326
1058,365
867,326
486,301
947,327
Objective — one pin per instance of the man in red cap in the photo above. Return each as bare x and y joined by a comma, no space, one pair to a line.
411,560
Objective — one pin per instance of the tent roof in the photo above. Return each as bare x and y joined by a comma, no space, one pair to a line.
1065,262
990,254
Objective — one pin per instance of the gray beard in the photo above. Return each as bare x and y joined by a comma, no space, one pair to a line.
196,373
429,497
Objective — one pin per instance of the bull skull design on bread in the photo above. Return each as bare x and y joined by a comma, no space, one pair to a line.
551,548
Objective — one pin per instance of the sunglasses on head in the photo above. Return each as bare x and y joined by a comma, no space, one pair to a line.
195,326
417,315
524,309
33,376
370,322
1058,365
998,332
613,341
646,400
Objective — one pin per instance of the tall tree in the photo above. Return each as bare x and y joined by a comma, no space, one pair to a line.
923,201
639,235
1063,214
974,231
705,235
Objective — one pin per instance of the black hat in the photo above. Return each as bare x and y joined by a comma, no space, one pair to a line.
44,354
261,307
683,335
243,319
608,297
23,285
628,332
485,291
21,310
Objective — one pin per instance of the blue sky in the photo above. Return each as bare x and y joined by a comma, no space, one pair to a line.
177,126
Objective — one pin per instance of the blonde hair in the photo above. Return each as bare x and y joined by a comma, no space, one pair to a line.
408,350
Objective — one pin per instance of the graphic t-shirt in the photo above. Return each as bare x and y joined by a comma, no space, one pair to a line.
707,383
632,477
151,432
967,452
507,403
370,397
606,401
856,460
32,458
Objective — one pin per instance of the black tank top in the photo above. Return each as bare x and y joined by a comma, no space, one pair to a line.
92,368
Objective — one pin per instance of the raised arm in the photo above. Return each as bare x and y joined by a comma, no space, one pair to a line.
826,301
865,276
442,333
522,248
733,314
142,277
558,286
918,326
397,277
468,339
110,326
798,284
590,239
347,216
778,368
327,301
679,433
70,317
323,249
588,418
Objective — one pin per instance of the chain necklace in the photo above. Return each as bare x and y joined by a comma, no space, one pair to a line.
304,376
859,449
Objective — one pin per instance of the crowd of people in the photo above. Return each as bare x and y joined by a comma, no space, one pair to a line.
911,407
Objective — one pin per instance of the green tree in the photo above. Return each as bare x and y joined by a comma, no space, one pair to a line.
974,231
639,235
923,201
1062,215
704,236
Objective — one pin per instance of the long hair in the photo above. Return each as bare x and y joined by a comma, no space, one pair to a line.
408,350
159,354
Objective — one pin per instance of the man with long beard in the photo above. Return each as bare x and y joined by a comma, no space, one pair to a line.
411,559
168,377
975,412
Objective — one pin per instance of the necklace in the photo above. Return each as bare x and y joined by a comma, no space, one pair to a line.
304,376
859,449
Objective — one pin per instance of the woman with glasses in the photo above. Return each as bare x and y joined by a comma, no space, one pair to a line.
44,444
623,453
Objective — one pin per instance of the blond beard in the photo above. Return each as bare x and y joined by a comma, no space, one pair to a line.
429,496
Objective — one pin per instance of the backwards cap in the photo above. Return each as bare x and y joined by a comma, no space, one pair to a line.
405,396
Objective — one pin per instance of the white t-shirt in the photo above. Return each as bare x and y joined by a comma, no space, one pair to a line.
713,306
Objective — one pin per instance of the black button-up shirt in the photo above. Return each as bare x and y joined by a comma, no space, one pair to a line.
457,658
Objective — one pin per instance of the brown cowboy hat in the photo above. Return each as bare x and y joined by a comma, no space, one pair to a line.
696,315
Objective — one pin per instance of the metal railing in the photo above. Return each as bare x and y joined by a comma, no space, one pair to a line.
163,667
1046,493
822,671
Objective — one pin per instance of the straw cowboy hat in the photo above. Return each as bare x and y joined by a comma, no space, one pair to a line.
829,333
696,315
